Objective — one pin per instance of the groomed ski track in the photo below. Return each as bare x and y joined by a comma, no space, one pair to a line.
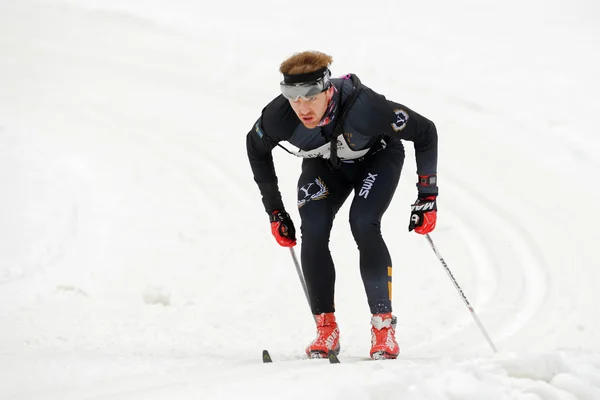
138,261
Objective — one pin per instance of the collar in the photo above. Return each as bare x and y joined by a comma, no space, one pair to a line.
331,109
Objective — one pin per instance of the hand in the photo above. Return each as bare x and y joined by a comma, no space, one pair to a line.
282,228
423,215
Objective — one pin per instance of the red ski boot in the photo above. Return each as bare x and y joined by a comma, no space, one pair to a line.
383,342
328,337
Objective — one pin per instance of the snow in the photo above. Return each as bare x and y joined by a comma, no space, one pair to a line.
137,261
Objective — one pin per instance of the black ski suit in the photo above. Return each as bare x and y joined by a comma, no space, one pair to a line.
371,154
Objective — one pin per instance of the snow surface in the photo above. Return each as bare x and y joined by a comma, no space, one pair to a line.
136,261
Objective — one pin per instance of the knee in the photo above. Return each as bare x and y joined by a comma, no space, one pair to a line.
315,230
364,227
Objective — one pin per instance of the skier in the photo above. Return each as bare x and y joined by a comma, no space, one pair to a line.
350,138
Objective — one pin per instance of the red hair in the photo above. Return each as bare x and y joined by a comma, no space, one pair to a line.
307,61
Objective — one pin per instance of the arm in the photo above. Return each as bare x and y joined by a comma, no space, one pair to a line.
409,125
276,123
259,147
395,120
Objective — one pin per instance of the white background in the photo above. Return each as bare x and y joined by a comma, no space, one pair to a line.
136,260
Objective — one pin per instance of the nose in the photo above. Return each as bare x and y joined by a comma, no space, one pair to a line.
303,106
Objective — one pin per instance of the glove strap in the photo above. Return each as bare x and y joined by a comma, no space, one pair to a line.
428,180
427,185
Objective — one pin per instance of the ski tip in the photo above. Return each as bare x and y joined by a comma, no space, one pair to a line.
266,357
333,358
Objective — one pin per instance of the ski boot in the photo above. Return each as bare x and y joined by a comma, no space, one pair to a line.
383,342
328,337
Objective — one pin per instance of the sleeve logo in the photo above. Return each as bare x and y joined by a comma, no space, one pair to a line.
401,120
259,132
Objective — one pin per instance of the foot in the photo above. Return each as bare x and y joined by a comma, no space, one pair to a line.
383,340
328,337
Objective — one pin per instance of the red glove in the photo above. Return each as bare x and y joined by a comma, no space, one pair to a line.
282,228
423,215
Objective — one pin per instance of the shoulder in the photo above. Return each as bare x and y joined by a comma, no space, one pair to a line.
278,119
371,112
347,85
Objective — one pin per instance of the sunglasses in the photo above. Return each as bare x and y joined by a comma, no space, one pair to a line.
305,90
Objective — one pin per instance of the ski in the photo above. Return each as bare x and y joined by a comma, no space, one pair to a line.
331,356
266,357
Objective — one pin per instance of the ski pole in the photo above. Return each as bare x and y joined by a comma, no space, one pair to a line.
462,294
302,281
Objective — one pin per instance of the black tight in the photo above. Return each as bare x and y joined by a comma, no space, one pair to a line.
321,193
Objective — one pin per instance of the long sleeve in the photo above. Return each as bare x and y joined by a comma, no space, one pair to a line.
411,126
259,147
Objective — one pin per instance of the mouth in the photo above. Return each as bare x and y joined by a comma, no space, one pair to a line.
307,118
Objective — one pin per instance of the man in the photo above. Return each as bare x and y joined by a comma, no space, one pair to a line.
350,138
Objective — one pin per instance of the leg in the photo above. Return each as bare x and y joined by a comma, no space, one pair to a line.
375,183
321,193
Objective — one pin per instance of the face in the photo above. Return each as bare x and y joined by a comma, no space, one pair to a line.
310,111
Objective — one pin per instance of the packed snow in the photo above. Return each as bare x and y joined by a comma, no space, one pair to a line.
136,260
